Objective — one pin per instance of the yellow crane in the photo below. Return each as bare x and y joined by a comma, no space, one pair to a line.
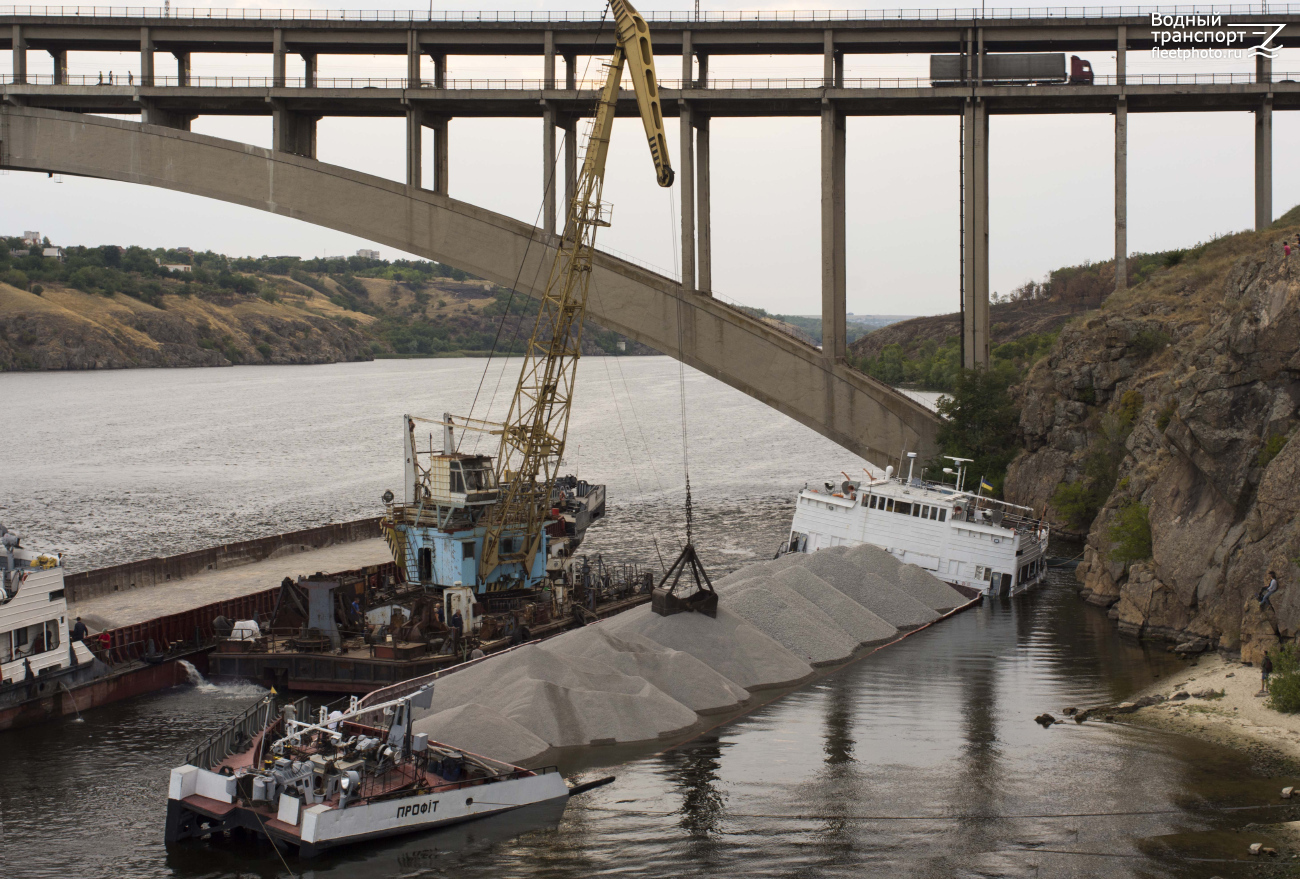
534,432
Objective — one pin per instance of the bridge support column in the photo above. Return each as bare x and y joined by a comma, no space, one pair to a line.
570,135
152,115
412,60
441,155
278,58
182,68
309,70
1121,193
292,132
1264,149
60,59
703,207
549,167
685,119
146,57
440,126
834,250
414,147
19,44
1121,53
975,243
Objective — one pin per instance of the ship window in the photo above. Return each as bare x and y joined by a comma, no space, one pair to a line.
943,515
889,505
871,501
56,595
6,647
903,507
916,509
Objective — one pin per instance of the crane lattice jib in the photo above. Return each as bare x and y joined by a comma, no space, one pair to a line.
532,442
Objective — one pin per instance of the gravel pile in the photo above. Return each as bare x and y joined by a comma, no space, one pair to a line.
565,701
679,674
791,620
861,624
727,644
916,582
868,589
481,730
929,589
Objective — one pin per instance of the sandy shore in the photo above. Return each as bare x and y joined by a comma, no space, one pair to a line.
1240,718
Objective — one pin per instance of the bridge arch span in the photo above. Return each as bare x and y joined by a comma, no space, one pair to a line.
864,416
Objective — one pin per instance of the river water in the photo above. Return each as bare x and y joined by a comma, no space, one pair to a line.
920,760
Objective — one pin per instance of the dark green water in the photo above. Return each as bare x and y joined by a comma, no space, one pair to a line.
921,760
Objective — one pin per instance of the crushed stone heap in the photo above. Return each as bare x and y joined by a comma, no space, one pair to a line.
727,644
790,619
675,672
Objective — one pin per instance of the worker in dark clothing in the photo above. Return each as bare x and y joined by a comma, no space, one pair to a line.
79,631
458,623
441,614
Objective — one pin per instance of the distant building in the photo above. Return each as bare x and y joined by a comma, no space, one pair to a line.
32,238
368,254
339,256
53,252
180,267
22,252
189,250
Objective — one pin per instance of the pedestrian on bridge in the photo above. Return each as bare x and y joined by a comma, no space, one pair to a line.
130,78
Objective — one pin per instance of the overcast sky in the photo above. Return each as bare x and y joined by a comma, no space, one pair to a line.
1051,186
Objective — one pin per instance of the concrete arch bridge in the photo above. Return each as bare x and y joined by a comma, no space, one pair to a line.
864,416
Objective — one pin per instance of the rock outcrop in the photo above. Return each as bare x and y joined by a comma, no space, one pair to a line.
1190,384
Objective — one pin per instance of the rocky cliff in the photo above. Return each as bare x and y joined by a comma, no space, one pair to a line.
1173,404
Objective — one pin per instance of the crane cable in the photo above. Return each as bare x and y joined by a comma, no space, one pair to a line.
681,353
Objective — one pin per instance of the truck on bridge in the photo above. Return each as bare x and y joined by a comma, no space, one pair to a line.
1010,69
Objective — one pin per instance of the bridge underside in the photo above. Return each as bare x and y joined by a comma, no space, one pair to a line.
864,416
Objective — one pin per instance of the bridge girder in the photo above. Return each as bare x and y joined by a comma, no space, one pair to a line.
864,416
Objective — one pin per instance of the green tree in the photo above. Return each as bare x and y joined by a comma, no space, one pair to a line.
981,424
1130,533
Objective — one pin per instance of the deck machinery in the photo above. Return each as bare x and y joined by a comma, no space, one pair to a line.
476,523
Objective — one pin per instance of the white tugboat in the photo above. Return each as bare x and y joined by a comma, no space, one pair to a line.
961,537
342,778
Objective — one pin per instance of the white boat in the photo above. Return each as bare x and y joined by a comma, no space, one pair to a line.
961,537
39,663
342,778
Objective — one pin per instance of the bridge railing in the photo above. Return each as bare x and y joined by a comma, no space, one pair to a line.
683,16
400,83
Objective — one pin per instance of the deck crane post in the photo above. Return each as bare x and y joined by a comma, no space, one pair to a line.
534,431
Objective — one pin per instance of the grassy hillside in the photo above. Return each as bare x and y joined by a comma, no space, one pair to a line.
925,352
111,307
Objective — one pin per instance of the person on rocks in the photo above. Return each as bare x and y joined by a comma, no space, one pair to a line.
1267,592
1265,669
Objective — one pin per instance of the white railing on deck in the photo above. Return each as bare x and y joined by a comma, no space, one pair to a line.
671,16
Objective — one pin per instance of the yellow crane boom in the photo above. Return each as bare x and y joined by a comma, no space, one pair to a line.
535,430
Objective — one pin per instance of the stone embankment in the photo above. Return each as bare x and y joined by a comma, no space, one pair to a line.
640,677
1174,404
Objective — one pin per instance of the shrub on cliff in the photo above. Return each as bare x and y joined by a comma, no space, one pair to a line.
981,424
1130,533
1284,682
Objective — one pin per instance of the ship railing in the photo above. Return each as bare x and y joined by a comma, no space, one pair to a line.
239,733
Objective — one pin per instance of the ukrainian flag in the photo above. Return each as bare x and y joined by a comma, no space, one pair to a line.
984,484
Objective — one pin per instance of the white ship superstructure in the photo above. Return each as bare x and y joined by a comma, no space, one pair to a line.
962,538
